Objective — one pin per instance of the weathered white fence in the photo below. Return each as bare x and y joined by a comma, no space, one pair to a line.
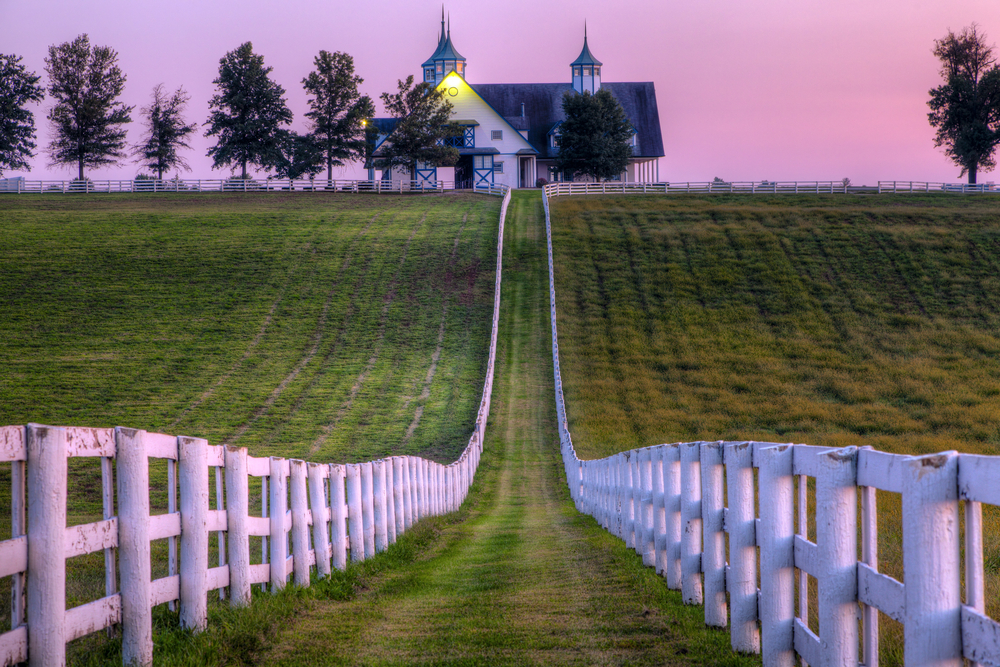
335,511
679,505
764,187
21,186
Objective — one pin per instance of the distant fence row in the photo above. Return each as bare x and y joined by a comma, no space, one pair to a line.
310,515
765,187
684,507
23,186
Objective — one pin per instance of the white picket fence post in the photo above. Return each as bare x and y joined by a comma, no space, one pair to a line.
338,513
300,523
135,566
278,556
356,524
237,524
775,538
47,471
368,509
192,454
741,577
713,560
672,505
932,631
321,516
380,512
691,584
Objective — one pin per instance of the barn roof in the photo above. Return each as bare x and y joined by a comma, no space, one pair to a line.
543,109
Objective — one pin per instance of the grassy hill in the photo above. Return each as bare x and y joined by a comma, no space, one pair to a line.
318,326
827,320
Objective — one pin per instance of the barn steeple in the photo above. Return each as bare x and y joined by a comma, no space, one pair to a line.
586,69
445,59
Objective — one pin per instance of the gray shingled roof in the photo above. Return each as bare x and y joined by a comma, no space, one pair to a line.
543,109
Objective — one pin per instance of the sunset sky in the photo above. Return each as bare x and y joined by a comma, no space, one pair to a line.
747,89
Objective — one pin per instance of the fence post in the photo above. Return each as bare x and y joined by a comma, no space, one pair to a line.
932,630
379,518
714,539
135,569
367,509
278,508
404,473
659,512
338,516
192,469
237,523
646,506
837,547
320,532
398,486
672,511
777,568
741,580
691,588
357,530
300,524
47,487
390,502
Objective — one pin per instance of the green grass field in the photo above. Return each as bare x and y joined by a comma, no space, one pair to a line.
327,327
824,320
829,321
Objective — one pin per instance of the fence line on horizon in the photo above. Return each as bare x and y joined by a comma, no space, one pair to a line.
765,187
19,185
335,511
668,503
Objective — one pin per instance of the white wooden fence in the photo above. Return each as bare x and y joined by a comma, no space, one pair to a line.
764,187
21,186
335,511
667,502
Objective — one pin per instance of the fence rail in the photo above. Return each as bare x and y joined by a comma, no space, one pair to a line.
335,512
667,502
765,187
22,186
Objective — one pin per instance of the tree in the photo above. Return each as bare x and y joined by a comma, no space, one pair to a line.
166,132
966,109
87,121
301,156
18,86
337,110
247,113
422,125
596,137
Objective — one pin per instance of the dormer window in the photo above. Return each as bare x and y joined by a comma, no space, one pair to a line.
460,67
429,74
576,71
587,71
554,141
440,68
597,71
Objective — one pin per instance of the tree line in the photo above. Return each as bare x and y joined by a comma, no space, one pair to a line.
248,116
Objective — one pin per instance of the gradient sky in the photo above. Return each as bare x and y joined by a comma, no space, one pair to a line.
747,90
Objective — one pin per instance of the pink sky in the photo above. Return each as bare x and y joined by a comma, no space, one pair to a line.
747,90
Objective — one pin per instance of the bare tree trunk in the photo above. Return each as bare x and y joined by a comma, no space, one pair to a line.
244,165
80,165
972,173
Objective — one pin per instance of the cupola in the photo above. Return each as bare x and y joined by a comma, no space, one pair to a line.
445,59
586,69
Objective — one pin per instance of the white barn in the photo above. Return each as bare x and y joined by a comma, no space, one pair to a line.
511,132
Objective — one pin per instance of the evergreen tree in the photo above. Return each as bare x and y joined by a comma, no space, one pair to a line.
966,109
17,125
247,113
596,137
87,121
422,124
337,111
166,132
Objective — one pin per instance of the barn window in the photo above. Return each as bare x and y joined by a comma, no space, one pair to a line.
496,135
498,167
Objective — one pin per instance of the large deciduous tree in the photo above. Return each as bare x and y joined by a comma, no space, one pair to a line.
87,120
247,113
337,110
422,125
165,133
18,87
965,110
596,137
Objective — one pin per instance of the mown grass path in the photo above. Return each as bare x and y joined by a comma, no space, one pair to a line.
518,577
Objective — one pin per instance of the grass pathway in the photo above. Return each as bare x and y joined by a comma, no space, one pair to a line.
518,577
